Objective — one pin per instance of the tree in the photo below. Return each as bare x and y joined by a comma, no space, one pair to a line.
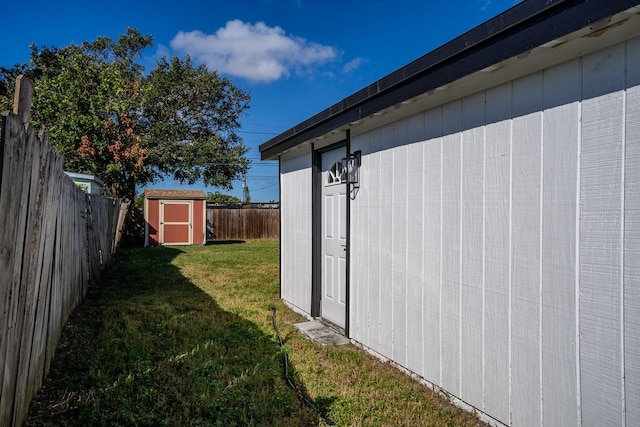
138,202
218,197
7,82
111,119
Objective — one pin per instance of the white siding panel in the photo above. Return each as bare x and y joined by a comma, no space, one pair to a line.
601,232
525,251
386,243
398,227
560,136
451,249
632,237
415,283
432,229
375,248
496,251
296,233
472,234
359,248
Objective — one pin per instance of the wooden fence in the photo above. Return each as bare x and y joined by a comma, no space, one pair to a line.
54,240
242,224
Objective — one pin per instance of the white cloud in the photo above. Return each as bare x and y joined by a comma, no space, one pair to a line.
353,64
485,5
252,51
162,51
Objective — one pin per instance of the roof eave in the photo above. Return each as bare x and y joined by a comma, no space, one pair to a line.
519,29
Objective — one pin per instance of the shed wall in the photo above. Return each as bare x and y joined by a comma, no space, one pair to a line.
199,218
296,231
631,249
153,221
495,244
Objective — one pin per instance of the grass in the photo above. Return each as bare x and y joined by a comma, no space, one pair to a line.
183,336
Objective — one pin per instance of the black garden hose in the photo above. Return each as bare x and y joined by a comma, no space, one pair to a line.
287,377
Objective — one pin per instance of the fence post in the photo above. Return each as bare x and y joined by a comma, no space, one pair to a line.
22,99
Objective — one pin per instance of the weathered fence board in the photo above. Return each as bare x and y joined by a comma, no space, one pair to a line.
54,240
30,282
19,155
240,224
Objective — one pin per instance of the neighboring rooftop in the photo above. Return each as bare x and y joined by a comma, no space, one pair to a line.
75,175
89,183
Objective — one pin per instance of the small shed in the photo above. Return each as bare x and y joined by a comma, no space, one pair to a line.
174,217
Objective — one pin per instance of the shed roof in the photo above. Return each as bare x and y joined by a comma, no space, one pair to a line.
175,194
525,26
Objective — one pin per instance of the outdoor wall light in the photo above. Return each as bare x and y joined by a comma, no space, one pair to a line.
352,168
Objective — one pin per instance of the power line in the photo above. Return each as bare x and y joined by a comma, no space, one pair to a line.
263,124
257,133
288,110
263,188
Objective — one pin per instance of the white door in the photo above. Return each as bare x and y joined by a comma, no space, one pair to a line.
334,238
176,222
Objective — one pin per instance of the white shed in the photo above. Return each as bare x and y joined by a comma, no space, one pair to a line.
491,243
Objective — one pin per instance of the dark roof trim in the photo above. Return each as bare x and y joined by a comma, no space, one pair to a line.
523,27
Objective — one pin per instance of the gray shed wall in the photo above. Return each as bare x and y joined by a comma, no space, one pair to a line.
496,239
495,243
295,231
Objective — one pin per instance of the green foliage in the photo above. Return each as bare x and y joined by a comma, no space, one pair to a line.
138,202
111,119
82,186
192,115
7,84
88,98
218,197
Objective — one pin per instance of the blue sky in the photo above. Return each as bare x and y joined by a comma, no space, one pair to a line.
295,57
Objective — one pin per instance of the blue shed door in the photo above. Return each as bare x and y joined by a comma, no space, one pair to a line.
334,238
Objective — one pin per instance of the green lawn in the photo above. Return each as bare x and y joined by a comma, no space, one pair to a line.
183,336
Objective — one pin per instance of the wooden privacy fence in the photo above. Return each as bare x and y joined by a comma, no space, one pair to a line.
241,224
54,240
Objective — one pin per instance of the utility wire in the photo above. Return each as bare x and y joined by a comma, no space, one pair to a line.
288,379
257,133
268,186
